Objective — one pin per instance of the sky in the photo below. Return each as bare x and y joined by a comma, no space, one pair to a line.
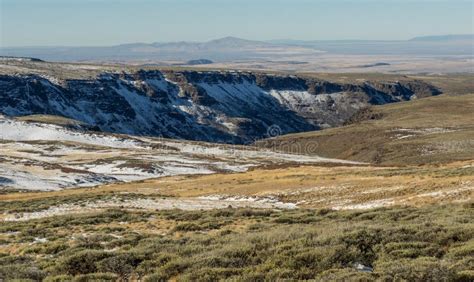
111,22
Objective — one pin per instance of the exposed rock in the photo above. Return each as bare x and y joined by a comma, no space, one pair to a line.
362,115
218,106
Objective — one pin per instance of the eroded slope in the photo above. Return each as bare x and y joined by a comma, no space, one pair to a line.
218,106
431,130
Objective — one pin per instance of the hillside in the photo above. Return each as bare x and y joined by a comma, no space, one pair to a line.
218,106
153,209
50,153
431,130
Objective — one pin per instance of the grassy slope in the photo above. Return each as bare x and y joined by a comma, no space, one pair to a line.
434,243
377,141
51,119
309,186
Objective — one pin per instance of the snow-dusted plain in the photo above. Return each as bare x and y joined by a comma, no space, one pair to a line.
37,156
200,203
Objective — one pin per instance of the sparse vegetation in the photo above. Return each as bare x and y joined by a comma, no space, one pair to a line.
415,244
429,130
424,176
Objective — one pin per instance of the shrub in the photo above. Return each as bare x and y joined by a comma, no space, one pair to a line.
184,216
188,226
20,272
94,241
155,277
8,259
465,276
223,213
466,250
233,256
259,246
345,274
83,262
316,260
58,278
211,274
420,269
55,248
121,264
191,226
364,241
253,213
412,250
95,277
173,268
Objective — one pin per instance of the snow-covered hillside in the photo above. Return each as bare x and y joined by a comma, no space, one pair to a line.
37,156
225,107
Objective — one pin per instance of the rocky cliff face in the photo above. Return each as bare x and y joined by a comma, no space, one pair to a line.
230,107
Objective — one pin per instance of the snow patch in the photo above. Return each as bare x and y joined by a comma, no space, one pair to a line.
23,131
204,203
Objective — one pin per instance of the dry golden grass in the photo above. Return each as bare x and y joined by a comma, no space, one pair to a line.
50,119
309,186
443,125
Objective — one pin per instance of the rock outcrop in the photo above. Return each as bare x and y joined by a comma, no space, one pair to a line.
217,106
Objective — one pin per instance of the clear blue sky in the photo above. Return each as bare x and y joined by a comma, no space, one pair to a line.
108,22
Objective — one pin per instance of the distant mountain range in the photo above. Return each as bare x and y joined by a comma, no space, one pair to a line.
226,43
233,48
452,37
228,48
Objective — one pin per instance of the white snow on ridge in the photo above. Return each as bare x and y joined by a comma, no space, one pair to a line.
24,131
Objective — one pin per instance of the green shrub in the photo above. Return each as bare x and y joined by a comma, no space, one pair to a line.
465,276
252,213
364,241
173,268
83,262
412,250
20,272
188,226
465,250
55,248
419,269
95,241
183,216
121,264
434,243
58,278
345,274
11,259
223,213
211,274
191,226
309,263
156,277
95,277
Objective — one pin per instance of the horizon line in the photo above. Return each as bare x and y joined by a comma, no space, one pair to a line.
235,37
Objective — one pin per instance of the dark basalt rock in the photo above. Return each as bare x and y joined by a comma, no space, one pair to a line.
269,82
217,106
